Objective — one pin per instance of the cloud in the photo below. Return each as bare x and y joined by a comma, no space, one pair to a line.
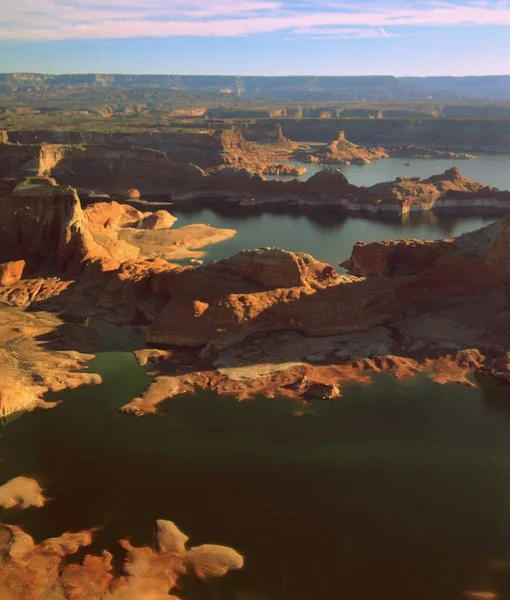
95,19
342,32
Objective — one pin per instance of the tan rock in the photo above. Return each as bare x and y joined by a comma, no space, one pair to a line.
31,572
212,561
11,272
21,492
29,370
169,538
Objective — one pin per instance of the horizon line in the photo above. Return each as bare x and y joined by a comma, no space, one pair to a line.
252,75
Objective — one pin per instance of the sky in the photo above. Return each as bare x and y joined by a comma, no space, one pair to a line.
257,37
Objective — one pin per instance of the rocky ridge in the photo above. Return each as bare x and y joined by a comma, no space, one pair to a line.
329,188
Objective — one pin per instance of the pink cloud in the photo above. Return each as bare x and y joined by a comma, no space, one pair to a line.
81,19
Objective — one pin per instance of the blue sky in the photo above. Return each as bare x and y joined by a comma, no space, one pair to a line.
257,37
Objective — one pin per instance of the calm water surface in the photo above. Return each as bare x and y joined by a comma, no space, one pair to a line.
329,236
400,490
491,169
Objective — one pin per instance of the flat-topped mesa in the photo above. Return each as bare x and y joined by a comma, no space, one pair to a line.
103,166
447,191
41,222
412,151
478,259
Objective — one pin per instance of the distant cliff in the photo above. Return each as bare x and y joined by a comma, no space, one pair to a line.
310,88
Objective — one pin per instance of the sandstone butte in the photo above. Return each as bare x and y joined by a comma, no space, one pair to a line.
30,571
342,151
264,320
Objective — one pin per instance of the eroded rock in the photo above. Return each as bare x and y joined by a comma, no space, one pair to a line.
21,492
30,571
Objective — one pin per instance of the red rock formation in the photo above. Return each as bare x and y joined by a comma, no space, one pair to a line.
342,151
262,291
30,571
446,192
44,225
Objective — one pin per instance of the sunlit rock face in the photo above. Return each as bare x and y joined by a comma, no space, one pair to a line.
11,272
21,492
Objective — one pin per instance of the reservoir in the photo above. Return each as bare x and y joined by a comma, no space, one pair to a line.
399,490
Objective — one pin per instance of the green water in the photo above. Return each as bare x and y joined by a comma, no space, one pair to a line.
400,490
327,236
330,235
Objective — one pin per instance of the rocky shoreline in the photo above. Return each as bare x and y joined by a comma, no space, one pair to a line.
237,177
265,320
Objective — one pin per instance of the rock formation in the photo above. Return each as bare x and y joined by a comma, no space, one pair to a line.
342,151
29,571
283,169
449,191
412,151
11,272
417,297
29,368
272,290
282,323
21,492
236,178
44,225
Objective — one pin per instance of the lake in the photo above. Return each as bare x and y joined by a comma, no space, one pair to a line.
328,235
399,490
491,169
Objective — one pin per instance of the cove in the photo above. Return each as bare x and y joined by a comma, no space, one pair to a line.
399,490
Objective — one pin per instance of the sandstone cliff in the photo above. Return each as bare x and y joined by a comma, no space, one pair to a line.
44,225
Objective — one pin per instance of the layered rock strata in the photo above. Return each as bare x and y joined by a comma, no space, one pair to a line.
150,171
330,189
410,306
